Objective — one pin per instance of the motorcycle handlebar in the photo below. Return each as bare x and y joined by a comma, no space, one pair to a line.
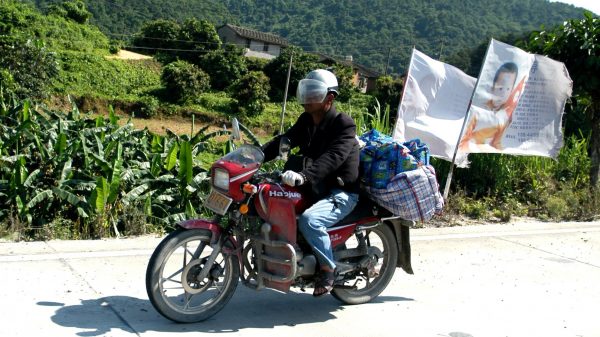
270,177
273,177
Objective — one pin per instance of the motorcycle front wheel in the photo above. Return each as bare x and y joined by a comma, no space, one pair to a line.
368,283
172,277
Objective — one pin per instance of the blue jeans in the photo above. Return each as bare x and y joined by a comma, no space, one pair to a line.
313,223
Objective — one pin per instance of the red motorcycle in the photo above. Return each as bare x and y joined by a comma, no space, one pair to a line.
254,238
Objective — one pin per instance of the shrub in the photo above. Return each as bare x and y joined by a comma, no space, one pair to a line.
216,102
133,220
115,46
74,10
184,80
147,106
461,203
256,63
506,209
7,84
225,66
556,207
251,92
31,66
389,91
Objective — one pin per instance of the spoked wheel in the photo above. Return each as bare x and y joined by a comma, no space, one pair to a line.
173,280
368,282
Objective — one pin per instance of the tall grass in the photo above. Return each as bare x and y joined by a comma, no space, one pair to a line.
536,186
376,119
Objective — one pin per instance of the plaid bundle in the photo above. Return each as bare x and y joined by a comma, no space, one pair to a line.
413,195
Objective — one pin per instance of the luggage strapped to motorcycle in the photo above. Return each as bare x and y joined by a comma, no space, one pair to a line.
398,176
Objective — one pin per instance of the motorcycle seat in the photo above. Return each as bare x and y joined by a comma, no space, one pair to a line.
364,209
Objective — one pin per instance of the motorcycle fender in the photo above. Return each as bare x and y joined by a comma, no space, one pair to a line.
209,225
216,231
402,232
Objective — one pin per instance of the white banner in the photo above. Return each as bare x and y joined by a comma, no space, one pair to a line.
433,106
517,106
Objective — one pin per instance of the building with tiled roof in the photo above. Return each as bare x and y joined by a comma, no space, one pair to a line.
257,44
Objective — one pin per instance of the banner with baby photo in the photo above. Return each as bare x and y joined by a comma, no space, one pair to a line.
517,104
515,107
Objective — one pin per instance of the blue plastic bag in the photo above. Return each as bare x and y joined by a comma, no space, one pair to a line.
382,158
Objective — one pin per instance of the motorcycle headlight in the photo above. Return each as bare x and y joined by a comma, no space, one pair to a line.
221,179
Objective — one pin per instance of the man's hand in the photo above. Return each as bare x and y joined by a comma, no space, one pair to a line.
292,178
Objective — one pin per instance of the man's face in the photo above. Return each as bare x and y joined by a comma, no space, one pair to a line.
317,109
313,108
502,88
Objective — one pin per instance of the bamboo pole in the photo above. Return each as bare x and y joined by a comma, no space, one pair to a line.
450,172
287,84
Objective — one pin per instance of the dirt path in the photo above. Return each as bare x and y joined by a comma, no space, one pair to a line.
128,55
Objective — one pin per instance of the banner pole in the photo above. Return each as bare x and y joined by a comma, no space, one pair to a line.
412,54
450,172
287,84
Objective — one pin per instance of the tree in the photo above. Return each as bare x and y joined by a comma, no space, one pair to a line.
225,66
30,65
199,36
158,36
251,92
172,41
183,80
277,69
389,91
74,10
577,44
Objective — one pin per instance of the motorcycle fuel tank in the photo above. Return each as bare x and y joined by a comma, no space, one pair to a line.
278,205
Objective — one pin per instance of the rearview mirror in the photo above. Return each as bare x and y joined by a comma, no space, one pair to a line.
235,129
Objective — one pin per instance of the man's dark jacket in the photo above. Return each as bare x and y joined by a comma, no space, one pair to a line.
331,145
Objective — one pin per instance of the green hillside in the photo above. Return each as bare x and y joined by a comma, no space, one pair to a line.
373,32
75,58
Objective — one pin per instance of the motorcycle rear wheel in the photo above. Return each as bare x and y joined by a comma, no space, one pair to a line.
383,238
172,280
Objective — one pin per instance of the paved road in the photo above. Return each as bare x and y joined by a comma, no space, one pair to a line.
524,279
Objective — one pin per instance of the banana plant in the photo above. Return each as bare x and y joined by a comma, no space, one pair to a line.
87,170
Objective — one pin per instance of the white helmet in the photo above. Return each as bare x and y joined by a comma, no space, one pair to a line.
315,86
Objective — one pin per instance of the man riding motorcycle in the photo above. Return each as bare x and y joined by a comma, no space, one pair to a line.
252,237
328,167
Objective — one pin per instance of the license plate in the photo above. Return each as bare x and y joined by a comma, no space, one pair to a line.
217,202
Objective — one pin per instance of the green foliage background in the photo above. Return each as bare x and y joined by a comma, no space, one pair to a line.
81,55
64,174
368,30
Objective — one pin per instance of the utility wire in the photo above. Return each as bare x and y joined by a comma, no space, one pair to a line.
381,51
378,51
371,51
